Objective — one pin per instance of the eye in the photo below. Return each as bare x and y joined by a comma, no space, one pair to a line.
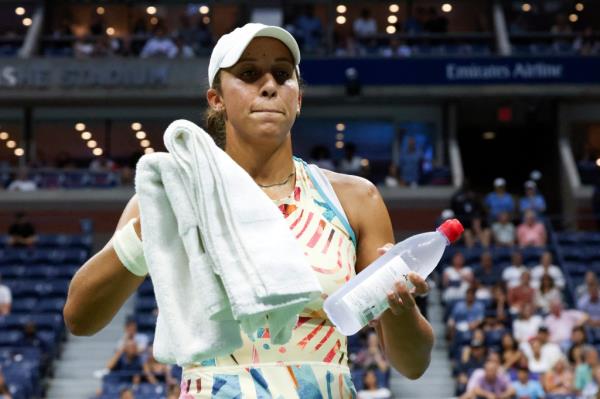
248,73
282,74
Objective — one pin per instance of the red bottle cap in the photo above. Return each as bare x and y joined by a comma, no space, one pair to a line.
452,229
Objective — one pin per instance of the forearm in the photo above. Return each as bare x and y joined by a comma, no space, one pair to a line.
408,341
97,291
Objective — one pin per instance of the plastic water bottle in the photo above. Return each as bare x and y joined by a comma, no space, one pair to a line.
364,297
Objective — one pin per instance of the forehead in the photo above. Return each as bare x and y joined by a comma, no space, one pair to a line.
267,48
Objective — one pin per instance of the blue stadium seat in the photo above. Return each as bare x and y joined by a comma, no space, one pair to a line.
146,322
41,272
145,304
23,304
532,254
53,289
103,179
22,288
501,254
51,305
146,288
76,179
13,271
10,338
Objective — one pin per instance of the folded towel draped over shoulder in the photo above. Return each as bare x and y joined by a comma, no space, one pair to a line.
219,252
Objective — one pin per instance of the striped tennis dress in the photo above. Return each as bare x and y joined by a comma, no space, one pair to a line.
313,364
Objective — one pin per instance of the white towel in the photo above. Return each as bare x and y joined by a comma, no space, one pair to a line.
218,250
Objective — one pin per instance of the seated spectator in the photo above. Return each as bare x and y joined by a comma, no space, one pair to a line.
456,278
126,393
586,43
532,199
4,388
392,178
141,340
396,48
559,379
102,164
499,303
371,388
5,299
592,389
512,274
309,30
531,233
466,315
22,182
184,50
472,358
499,200
583,288
159,45
365,26
21,232
503,231
469,210
492,383
486,273
320,156
583,371
527,325
546,267
539,352
590,304
578,344
525,387
350,163
127,360
521,294
546,293
155,372
561,322
410,163
510,353
372,355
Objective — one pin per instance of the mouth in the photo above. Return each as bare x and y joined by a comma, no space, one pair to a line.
267,111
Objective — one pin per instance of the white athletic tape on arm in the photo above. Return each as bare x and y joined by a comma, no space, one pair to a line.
129,249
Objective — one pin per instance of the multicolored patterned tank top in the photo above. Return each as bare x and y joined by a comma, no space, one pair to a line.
313,364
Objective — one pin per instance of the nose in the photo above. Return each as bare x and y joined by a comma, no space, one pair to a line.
269,86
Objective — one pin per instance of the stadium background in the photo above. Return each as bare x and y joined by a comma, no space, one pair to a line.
486,89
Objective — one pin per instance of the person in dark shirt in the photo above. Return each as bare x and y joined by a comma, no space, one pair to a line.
128,361
21,232
486,272
469,210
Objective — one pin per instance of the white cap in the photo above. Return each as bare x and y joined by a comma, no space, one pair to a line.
499,182
230,47
447,214
530,184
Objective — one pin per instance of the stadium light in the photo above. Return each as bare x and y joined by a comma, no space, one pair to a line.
3,135
339,136
341,9
140,135
97,151
489,135
394,8
100,10
204,10
446,7
145,143
110,31
92,144
11,144
136,126
27,21
392,19
579,7
19,152
154,21
340,127
20,11
149,150
151,10
391,29
526,7
341,20
364,162
80,127
573,17
339,145
598,162
86,135
206,20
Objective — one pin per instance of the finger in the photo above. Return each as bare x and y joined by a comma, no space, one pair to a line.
385,248
405,296
421,286
394,302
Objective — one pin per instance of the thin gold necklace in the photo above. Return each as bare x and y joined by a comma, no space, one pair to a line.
287,179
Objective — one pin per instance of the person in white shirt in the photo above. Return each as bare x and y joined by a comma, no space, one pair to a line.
131,332
370,388
456,278
22,182
527,325
541,355
546,267
365,26
5,299
159,45
512,274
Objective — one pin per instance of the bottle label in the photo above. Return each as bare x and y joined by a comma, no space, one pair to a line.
368,300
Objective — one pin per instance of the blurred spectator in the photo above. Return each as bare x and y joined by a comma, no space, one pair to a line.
5,298
102,164
527,325
541,354
63,160
97,24
592,389
320,156
391,178
155,372
546,294
561,27
201,38
499,200
531,233
469,211
582,289
126,393
486,274
509,347
364,26
521,294
128,361
350,163
532,199
372,355
525,387
578,344
492,383
159,45
345,45
560,323
466,315
410,163
586,43
22,182
30,337
414,23
309,30
21,232
512,274
131,333
559,379
456,278
499,304
371,388
4,388
503,230
472,358
583,371
183,49
396,48
546,267
590,304
435,23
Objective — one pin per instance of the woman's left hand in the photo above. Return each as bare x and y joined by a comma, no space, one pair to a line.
402,298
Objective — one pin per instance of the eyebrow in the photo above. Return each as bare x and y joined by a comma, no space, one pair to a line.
280,59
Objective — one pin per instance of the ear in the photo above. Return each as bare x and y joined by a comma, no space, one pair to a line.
299,103
214,99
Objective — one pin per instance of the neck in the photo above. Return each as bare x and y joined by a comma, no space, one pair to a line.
266,164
